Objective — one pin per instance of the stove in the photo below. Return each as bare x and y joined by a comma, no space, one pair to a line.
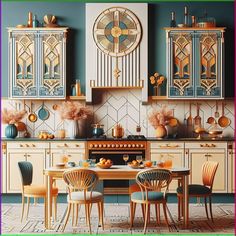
114,149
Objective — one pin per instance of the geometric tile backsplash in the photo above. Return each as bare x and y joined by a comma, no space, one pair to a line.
123,107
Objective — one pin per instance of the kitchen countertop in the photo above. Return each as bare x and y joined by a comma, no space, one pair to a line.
123,139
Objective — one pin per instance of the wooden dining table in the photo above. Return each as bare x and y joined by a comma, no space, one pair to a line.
116,172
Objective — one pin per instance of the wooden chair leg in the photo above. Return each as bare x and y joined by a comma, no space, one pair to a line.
165,214
73,214
23,207
76,214
146,218
143,210
67,216
205,199
88,217
210,203
102,214
131,214
27,211
55,208
157,209
149,213
179,208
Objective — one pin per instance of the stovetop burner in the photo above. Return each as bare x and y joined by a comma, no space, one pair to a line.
136,137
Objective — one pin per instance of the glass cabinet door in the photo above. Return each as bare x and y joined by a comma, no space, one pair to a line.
181,81
22,66
51,82
208,76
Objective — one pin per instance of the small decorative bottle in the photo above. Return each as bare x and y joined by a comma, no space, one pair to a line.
35,22
186,22
193,21
172,22
77,87
30,20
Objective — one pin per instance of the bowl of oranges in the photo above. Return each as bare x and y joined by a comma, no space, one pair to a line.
135,165
104,163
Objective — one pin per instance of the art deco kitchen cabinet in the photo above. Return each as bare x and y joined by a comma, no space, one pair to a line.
195,62
37,63
199,152
162,151
34,152
73,151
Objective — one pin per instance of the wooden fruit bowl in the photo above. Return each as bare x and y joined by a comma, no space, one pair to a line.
135,166
104,166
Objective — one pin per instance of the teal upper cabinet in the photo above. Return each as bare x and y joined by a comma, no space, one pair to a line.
195,62
37,63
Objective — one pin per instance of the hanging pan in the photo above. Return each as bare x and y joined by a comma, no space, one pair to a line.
32,117
43,113
223,120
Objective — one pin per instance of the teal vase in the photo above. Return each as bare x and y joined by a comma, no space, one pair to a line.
11,131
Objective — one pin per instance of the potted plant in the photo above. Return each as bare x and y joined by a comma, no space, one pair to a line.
11,117
73,111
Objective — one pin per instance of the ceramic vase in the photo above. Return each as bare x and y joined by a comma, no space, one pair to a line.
11,131
161,131
73,129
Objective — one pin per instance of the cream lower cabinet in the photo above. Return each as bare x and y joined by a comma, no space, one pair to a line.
231,167
171,150
75,151
198,153
24,151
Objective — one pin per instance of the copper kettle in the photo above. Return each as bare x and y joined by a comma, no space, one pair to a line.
117,131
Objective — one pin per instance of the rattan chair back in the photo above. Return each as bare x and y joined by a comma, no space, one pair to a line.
154,179
209,169
81,179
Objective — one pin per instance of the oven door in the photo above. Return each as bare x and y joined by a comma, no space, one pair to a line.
116,186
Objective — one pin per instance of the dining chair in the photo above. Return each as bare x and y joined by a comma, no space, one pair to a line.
29,190
135,188
154,185
203,190
80,186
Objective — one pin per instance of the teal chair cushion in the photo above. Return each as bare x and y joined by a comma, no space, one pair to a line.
195,189
152,196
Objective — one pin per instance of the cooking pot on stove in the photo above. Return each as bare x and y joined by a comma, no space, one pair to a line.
117,131
97,130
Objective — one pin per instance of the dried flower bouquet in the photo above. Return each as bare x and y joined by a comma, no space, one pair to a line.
12,116
157,118
73,111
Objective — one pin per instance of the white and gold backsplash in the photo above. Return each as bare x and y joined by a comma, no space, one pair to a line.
123,107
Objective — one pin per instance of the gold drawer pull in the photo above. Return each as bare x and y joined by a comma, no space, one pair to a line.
77,145
21,145
169,146
208,155
27,145
33,145
208,145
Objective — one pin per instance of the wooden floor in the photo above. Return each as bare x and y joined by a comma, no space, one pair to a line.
117,220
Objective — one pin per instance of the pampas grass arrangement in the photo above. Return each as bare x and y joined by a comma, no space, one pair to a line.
70,110
157,118
12,116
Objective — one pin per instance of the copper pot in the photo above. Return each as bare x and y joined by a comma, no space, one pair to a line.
117,131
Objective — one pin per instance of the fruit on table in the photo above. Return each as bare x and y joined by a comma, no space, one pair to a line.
148,164
44,135
134,163
103,161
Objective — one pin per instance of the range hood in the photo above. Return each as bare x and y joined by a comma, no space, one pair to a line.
116,47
